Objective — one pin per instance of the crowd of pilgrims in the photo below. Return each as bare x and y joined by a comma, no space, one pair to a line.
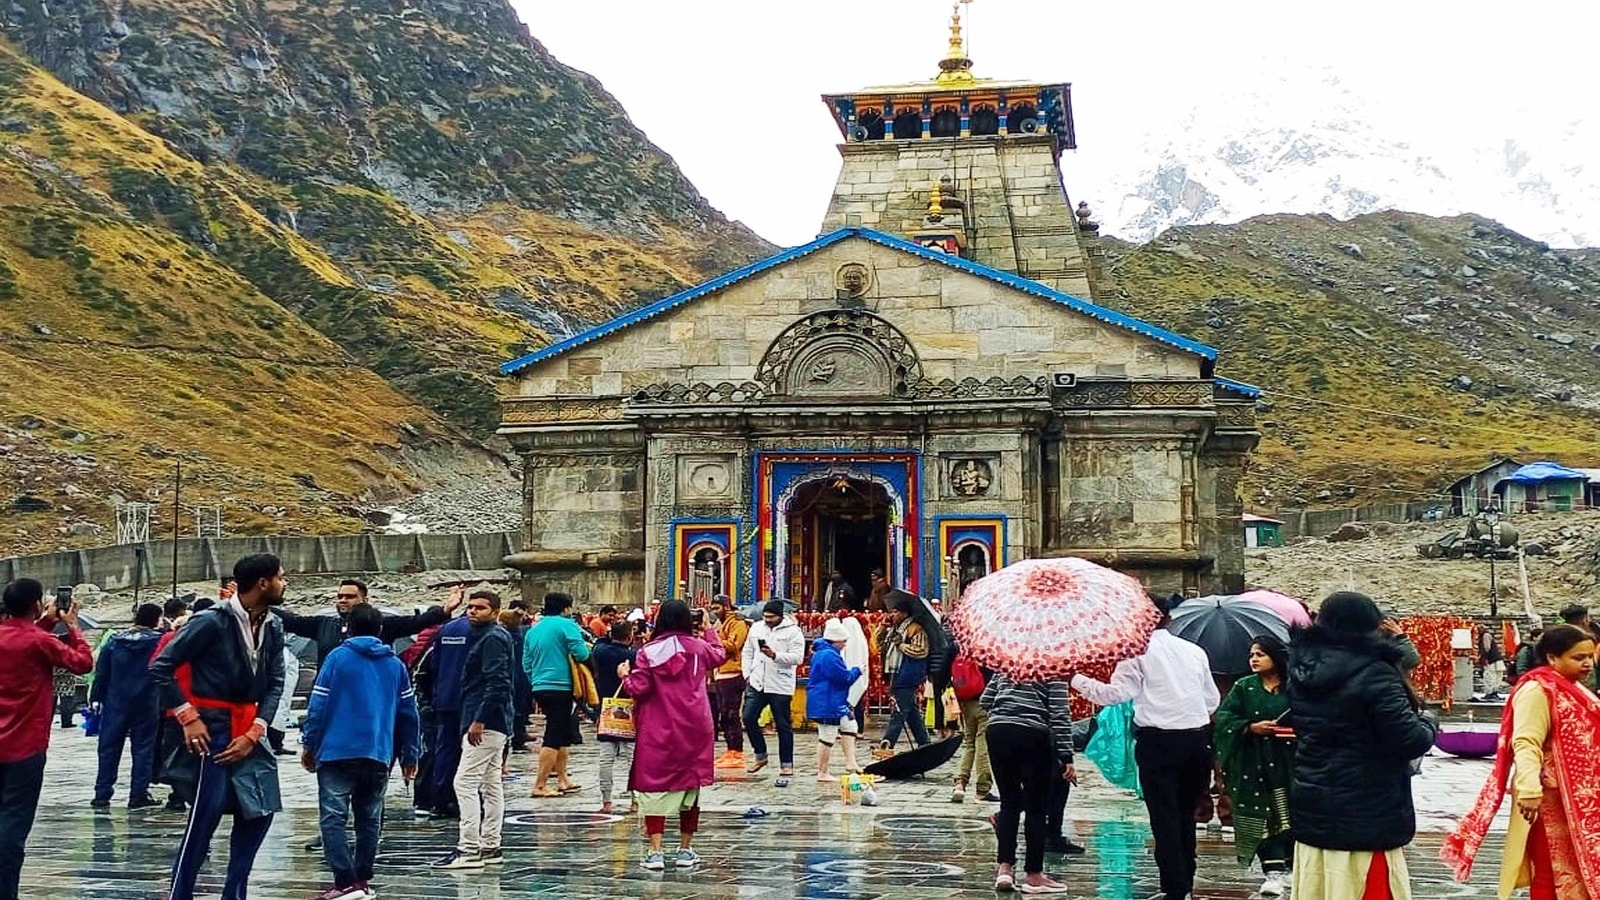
1308,761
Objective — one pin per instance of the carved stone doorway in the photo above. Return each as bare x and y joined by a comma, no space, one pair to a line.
837,524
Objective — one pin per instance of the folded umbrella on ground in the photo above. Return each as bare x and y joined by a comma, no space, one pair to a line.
915,762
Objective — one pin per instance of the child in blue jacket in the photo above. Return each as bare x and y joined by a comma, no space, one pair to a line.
828,698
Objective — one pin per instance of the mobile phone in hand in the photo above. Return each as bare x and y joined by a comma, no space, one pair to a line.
762,643
63,598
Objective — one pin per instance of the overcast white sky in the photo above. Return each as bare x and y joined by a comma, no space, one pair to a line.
698,75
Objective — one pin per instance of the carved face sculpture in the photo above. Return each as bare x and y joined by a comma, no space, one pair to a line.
852,280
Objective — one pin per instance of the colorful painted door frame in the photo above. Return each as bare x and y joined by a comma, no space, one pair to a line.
691,537
982,534
778,475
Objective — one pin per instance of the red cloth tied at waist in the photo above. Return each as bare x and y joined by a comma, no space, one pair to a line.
241,716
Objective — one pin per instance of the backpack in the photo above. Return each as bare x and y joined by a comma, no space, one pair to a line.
966,679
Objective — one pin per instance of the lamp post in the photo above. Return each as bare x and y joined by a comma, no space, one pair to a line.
1491,517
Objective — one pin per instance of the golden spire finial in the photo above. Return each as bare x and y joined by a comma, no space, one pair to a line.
935,203
955,68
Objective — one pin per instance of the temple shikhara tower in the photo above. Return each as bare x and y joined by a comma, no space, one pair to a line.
929,389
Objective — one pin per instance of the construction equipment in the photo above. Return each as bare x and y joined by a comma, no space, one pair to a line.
1485,537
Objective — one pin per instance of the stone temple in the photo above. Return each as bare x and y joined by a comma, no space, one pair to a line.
929,388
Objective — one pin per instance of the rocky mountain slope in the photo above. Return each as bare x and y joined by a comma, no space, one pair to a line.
312,229
1398,351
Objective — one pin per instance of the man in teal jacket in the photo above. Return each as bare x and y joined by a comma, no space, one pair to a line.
552,645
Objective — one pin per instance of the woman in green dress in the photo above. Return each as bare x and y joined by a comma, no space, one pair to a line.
1257,765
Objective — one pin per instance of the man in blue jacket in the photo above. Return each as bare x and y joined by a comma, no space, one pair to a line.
485,724
129,709
441,672
362,717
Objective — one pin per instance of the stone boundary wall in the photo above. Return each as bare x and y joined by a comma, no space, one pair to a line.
203,559
1323,522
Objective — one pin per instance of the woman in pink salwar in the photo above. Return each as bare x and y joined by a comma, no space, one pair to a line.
673,756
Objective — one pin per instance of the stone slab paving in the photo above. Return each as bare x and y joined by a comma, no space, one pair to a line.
915,844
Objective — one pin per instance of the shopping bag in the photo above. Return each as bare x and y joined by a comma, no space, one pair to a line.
952,707
616,718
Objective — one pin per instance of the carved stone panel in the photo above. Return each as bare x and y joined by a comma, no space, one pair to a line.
840,353
853,280
839,368
971,476
706,478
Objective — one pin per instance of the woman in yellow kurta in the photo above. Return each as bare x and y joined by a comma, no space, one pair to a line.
1549,753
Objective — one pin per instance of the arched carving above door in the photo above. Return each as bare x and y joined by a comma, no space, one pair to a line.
840,353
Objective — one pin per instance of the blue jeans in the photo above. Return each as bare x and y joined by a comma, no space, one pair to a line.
345,786
754,702
117,726
212,792
906,713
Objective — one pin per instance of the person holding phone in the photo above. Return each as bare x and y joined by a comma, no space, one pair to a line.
1258,763
773,651
66,683
29,655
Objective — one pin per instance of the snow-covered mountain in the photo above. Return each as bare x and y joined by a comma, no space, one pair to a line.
1317,143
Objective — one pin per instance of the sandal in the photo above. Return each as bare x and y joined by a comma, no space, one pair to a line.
569,789
545,794
756,766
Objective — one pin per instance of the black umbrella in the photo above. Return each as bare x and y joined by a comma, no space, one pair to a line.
915,762
1225,628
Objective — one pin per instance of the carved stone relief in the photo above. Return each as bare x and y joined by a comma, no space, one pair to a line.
852,281
840,353
705,477
971,477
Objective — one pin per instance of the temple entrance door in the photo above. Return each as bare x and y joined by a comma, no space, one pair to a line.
837,523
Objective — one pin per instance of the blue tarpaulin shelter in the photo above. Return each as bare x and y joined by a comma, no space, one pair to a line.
1544,470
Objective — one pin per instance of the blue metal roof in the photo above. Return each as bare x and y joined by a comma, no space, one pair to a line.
1009,279
1248,391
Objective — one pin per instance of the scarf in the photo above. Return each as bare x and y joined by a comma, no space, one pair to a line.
1575,758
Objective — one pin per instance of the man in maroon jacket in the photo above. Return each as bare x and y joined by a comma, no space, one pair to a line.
29,654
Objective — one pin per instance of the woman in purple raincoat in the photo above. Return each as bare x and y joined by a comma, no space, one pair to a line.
673,753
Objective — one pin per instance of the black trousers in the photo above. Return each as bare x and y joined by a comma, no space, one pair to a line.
20,783
940,684
1056,814
1174,770
1023,764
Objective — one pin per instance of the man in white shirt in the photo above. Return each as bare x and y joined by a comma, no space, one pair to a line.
1173,698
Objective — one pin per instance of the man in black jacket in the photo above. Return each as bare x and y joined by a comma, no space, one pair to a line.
327,630
485,725
222,678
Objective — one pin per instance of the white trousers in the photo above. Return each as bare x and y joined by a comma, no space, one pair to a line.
480,793
612,752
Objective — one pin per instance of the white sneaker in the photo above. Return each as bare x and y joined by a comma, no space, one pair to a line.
1273,886
958,796
654,860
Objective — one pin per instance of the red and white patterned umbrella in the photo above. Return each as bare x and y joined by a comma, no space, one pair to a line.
1041,619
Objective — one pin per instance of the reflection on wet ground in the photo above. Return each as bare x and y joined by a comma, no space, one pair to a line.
807,846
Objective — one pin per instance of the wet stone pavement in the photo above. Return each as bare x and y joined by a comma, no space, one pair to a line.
916,844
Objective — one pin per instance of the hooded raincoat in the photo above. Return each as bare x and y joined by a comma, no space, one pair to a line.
676,739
